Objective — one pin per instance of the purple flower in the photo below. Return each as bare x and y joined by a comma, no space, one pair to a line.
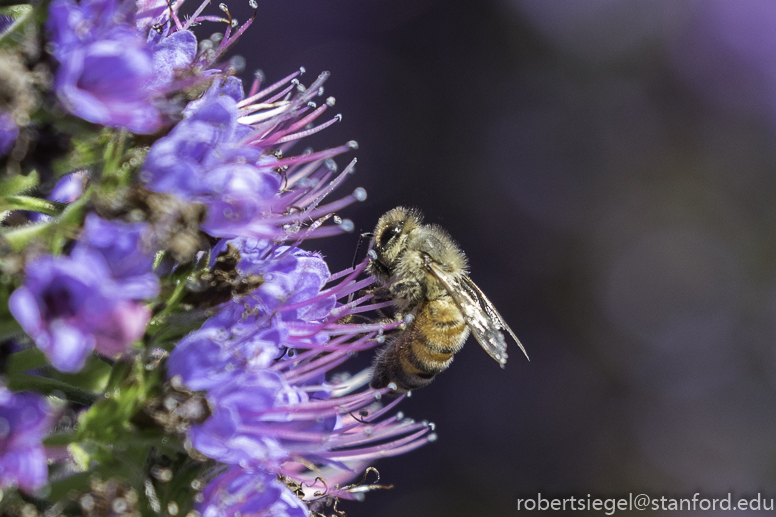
243,192
128,256
24,419
291,275
174,52
108,73
178,163
63,307
9,131
150,12
263,359
223,155
210,356
69,187
250,492
71,306
233,433
275,410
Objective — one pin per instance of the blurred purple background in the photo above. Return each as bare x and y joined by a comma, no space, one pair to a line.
610,169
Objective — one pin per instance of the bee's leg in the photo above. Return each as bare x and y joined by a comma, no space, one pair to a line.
409,291
355,319
379,294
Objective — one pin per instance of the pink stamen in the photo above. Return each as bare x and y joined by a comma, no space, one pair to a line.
393,448
336,182
340,274
371,307
194,16
300,123
269,89
320,155
365,343
311,131
321,178
356,287
337,329
381,412
328,292
314,365
303,172
281,94
322,369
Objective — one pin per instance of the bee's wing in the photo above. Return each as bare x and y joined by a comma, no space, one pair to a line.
491,310
481,316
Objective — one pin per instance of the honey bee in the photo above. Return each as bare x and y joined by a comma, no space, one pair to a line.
426,275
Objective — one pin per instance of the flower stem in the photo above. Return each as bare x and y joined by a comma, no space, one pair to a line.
26,382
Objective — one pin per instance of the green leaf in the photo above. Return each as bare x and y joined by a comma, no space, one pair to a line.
17,184
166,330
18,238
32,204
25,360
21,27
92,377
59,439
55,233
77,483
9,328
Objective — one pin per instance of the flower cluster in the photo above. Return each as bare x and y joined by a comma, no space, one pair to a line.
272,407
90,300
213,367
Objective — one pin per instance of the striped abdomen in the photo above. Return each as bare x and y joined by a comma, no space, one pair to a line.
423,349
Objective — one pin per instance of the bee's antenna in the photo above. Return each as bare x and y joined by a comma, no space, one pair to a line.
358,247
355,257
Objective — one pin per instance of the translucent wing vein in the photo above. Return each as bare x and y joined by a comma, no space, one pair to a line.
480,315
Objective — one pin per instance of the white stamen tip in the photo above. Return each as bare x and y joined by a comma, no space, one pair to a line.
359,194
237,62
372,254
302,70
432,437
331,101
392,386
347,225
353,144
338,116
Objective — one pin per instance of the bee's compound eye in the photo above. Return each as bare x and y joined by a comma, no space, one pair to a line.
389,233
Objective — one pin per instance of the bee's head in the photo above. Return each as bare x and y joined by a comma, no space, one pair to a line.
391,233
